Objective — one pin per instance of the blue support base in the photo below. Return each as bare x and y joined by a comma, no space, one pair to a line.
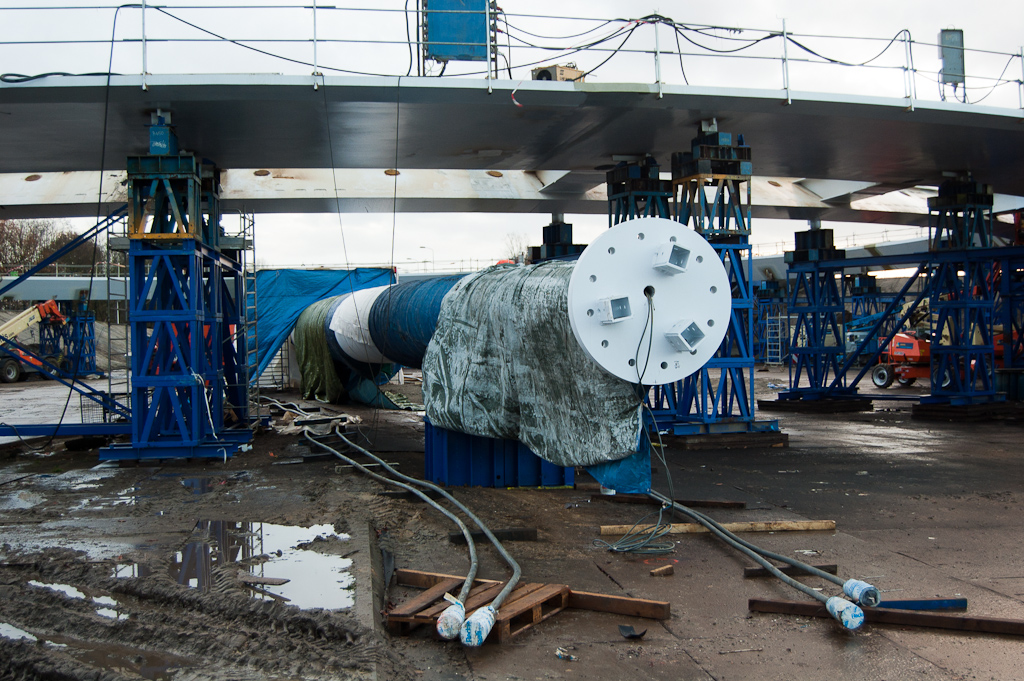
65,429
456,459
226,448
722,427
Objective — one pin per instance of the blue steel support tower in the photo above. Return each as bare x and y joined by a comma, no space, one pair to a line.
636,190
186,311
711,191
962,297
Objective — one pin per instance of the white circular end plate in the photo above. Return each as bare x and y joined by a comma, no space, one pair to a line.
692,308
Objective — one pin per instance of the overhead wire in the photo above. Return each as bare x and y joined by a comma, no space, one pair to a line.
99,213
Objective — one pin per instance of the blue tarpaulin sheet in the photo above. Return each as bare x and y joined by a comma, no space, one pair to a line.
282,295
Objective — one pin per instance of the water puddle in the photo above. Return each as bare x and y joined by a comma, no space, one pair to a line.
112,612
21,500
66,589
269,562
128,496
198,485
14,633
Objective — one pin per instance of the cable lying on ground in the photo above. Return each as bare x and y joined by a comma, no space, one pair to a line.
846,613
474,629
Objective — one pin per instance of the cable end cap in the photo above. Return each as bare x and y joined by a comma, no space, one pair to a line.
862,592
449,624
477,626
846,613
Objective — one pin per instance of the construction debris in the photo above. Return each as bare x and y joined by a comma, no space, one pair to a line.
989,625
762,526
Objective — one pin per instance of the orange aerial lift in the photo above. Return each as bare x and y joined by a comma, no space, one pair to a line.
15,364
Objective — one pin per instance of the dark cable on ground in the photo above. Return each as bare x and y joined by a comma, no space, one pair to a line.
516,570
473,562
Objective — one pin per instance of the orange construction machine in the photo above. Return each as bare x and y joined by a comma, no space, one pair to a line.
907,359
15,364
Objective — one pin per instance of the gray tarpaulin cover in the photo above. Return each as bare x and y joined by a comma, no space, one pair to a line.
504,363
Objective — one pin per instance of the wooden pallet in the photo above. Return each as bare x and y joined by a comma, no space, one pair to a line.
527,605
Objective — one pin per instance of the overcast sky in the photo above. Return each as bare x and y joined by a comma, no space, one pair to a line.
429,240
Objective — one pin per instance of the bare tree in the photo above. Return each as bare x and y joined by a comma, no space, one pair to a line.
516,244
23,243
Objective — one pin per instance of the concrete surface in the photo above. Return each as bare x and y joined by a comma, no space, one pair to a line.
923,510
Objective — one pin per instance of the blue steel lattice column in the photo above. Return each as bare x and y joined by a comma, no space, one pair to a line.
817,305
962,305
636,190
186,301
711,188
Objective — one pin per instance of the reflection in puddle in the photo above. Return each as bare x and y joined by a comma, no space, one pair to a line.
22,499
14,633
66,589
198,485
122,659
113,612
126,497
268,562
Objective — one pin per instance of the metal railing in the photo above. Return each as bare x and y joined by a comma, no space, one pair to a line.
311,40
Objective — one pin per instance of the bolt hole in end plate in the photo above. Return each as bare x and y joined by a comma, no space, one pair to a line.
674,268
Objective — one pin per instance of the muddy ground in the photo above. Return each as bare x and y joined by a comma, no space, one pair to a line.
160,570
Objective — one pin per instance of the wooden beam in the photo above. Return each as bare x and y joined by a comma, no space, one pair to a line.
787,570
648,501
581,600
246,578
425,598
424,580
620,605
990,625
763,526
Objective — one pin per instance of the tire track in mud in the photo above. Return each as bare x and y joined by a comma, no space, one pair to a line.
225,633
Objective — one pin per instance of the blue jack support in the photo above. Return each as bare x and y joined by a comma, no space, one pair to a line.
187,301
711,186
71,345
962,305
636,190
817,304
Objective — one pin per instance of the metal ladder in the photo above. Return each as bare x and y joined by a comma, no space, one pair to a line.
251,363
773,341
118,375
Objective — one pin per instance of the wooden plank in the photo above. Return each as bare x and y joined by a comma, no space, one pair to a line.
521,591
620,605
478,596
424,580
990,625
763,526
264,592
508,534
524,613
664,571
787,570
425,599
246,578
648,501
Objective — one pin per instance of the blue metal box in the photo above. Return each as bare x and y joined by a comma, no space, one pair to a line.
455,30
456,459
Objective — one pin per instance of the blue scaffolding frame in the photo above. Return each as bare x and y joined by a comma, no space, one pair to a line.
817,347
186,308
636,190
711,190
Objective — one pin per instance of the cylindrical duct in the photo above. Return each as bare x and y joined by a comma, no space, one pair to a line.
403,318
